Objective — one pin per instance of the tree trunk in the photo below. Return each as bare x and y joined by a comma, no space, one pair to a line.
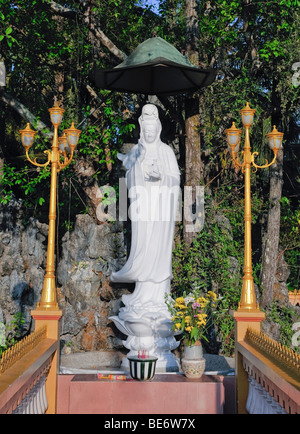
88,20
193,162
271,242
97,35
24,112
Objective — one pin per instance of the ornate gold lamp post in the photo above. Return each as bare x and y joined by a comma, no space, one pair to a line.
248,299
60,155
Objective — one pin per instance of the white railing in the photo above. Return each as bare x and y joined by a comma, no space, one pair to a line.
36,401
260,401
24,376
268,376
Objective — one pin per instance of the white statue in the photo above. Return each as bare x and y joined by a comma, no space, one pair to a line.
153,183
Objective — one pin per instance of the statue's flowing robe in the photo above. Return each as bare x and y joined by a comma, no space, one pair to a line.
153,207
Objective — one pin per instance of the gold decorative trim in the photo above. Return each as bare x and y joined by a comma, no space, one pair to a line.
21,348
294,297
286,357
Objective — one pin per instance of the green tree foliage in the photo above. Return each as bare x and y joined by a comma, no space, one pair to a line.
11,333
212,263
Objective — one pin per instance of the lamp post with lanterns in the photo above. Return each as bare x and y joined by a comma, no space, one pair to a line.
248,299
60,156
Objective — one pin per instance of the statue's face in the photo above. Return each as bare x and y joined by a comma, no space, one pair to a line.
150,132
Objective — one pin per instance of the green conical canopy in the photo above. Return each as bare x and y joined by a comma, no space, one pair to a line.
152,49
155,67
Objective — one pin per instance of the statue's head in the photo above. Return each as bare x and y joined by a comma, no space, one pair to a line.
150,124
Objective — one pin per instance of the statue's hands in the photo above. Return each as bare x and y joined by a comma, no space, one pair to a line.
153,173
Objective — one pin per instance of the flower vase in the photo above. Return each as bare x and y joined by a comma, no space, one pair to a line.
193,362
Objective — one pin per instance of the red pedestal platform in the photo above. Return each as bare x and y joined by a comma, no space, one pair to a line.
165,394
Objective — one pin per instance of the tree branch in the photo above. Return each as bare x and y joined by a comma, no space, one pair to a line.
24,113
108,43
61,10
90,23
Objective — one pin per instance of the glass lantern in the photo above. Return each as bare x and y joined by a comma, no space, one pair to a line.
275,140
56,114
233,138
247,114
62,143
72,136
27,136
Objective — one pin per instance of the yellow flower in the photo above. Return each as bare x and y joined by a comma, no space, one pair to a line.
187,319
201,316
188,329
180,306
178,326
179,300
202,301
201,323
201,319
212,295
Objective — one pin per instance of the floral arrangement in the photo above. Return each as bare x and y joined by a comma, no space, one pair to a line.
191,314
